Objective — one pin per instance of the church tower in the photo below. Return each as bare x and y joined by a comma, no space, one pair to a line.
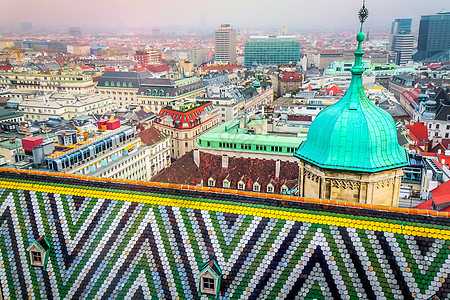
352,152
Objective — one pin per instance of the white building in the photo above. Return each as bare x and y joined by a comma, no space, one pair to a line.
66,106
48,83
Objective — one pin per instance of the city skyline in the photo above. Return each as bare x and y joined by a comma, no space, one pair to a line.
202,14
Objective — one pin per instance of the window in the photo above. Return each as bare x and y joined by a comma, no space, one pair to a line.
270,188
208,283
36,257
437,126
226,184
284,189
256,187
240,185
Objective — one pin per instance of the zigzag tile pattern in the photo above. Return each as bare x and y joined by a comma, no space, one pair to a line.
105,248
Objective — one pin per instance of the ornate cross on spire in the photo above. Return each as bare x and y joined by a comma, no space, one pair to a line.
363,13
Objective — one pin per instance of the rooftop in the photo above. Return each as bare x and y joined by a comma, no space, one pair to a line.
117,238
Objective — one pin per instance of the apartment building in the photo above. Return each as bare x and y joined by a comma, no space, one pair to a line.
66,106
156,93
185,121
122,87
48,83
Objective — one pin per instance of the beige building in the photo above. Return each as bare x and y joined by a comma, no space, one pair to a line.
79,50
156,93
185,122
197,55
122,87
66,106
261,97
48,83
225,44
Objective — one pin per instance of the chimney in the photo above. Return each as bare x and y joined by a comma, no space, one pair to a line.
197,157
277,168
225,161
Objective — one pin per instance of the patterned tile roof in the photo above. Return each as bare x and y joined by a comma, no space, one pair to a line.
111,239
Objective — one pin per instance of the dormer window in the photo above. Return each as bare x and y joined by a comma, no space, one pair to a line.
226,184
241,185
256,187
39,252
211,182
210,278
270,188
284,189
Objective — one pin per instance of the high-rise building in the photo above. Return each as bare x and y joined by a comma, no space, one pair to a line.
401,26
402,41
271,50
225,44
434,36
197,55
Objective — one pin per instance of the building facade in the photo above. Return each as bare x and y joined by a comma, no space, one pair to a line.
434,36
197,55
238,138
156,93
271,50
122,87
402,41
225,44
66,106
185,122
48,83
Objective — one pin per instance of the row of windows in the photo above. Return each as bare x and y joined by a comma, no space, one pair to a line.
254,147
118,84
241,186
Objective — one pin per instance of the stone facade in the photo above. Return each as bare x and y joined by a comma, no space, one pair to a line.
379,188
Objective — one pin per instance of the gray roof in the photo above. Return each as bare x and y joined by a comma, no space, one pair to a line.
124,78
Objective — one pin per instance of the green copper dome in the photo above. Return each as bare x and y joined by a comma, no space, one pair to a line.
353,134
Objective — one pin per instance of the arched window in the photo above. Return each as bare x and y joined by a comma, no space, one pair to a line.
130,84
124,84
106,83
118,83
149,92
112,83
155,92
161,92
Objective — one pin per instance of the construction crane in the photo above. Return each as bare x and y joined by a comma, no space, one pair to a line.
18,52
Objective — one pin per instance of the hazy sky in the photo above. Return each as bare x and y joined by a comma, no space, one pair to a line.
307,14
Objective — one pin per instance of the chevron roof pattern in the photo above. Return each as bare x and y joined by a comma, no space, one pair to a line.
123,241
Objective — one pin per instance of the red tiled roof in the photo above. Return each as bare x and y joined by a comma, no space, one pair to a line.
188,119
182,171
444,158
446,143
441,196
151,136
437,148
418,132
411,96
442,190
6,68
299,118
247,170
157,68
288,76
334,90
